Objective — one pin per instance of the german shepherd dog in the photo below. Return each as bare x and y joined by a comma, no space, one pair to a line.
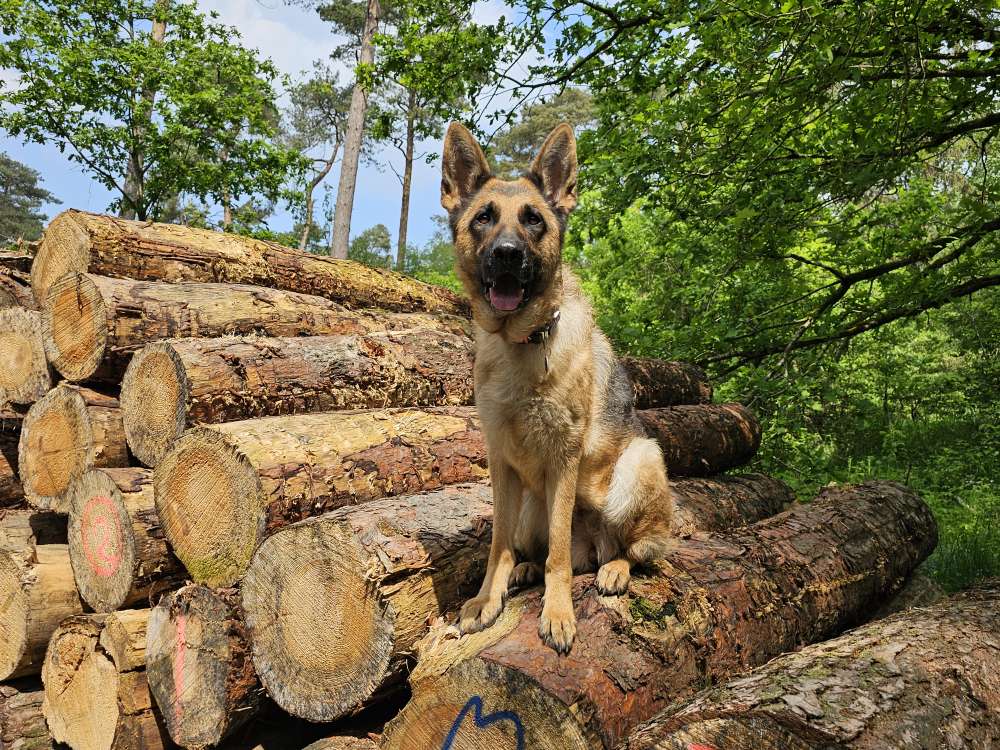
575,479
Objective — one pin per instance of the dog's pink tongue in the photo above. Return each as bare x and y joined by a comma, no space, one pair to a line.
505,300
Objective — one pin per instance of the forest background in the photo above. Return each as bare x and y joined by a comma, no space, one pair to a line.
799,197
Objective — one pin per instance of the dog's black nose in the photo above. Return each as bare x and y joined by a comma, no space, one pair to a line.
508,254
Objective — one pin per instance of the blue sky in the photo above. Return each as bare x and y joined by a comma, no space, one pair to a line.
293,37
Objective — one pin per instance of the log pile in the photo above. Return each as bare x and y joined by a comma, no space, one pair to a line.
242,487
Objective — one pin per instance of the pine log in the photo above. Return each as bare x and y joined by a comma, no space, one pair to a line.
15,289
171,385
924,679
198,665
119,554
21,529
702,440
660,382
96,697
24,371
335,604
717,605
92,325
17,261
11,492
37,591
78,241
22,725
343,743
221,489
70,430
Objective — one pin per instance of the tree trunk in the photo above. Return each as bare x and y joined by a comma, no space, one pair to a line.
659,382
307,223
171,385
404,209
22,725
37,589
134,200
717,605
15,288
923,679
354,139
24,371
198,666
71,430
96,697
94,324
369,578
107,246
705,439
120,557
257,475
254,476
11,492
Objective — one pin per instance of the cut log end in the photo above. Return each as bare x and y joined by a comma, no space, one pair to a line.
13,615
65,248
24,371
154,395
75,326
102,545
199,668
211,505
310,579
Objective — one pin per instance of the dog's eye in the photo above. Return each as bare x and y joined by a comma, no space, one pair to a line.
532,219
483,217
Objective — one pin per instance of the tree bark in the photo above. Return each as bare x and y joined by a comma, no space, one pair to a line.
171,385
11,493
254,476
24,371
369,578
22,725
404,209
717,605
36,586
659,382
94,324
15,288
119,555
343,743
22,529
923,679
198,666
705,439
354,139
108,246
96,696
71,430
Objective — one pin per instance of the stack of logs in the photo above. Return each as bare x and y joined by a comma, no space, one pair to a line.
248,509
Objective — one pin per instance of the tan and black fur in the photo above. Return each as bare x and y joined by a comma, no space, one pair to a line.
575,480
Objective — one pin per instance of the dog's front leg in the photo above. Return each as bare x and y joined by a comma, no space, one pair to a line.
483,610
557,626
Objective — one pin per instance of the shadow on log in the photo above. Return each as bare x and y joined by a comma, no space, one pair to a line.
716,606
924,679
11,492
92,325
336,603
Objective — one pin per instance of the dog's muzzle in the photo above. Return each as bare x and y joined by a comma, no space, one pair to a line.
508,273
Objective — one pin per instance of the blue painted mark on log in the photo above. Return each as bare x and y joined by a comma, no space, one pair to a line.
482,722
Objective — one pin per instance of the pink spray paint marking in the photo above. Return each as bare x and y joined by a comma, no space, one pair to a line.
103,538
179,660
696,746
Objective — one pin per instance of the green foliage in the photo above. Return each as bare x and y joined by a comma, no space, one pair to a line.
21,195
373,247
435,261
193,113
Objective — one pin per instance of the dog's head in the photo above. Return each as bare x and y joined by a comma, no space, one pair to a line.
509,234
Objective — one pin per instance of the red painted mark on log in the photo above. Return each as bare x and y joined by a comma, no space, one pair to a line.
103,538
179,659
696,746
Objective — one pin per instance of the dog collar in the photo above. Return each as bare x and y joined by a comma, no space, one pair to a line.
541,335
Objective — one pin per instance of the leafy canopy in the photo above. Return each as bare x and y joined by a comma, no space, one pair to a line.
21,195
195,113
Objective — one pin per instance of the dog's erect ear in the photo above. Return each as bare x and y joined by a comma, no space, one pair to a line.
555,168
464,167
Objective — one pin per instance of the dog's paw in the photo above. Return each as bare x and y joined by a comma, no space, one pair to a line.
613,578
526,574
557,625
479,613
